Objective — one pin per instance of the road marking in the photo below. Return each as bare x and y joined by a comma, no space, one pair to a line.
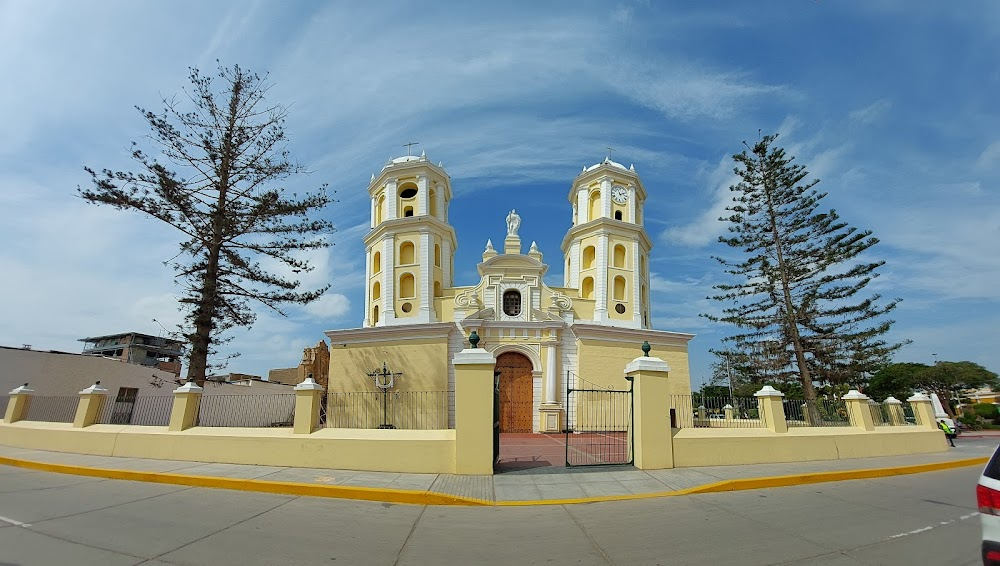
924,529
13,522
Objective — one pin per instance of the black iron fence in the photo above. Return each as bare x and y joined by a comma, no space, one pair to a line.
143,410
247,410
832,412
415,410
697,411
53,409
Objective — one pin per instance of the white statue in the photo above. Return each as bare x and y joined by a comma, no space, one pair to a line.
513,223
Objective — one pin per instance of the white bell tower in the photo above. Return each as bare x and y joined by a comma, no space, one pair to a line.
607,249
410,249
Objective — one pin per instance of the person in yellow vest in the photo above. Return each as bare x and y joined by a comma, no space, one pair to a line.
948,433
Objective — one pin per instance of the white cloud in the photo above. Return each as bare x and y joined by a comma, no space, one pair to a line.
871,113
330,307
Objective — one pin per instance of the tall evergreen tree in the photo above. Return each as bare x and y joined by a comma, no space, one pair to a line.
228,148
799,273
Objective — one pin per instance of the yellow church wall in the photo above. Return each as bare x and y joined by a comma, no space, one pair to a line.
603,362
424,364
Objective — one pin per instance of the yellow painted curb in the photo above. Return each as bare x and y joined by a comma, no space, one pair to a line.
387,495
414,497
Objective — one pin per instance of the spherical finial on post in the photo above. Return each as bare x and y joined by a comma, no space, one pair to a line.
474,339
646,348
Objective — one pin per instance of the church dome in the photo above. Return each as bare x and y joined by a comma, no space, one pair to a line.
606,161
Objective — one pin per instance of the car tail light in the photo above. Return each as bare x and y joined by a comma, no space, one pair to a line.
988,500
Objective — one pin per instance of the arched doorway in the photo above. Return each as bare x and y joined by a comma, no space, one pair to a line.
516,387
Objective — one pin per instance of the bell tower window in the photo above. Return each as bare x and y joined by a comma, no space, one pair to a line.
618,215
512,303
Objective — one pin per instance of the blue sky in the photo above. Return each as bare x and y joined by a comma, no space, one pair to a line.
893,105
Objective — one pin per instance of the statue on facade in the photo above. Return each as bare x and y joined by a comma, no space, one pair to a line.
513,223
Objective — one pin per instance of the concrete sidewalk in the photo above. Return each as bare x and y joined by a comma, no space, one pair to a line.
539,486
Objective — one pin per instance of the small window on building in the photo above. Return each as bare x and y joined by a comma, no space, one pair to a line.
408,211
406,307
375,315
618,215
620,308
512,303
408,191
127,394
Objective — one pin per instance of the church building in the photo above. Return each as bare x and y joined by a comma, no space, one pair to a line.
545,338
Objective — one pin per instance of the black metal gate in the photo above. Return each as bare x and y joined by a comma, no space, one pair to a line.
598,424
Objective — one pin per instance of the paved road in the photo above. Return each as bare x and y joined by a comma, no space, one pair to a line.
52,519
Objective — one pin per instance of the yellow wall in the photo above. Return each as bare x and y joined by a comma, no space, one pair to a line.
411,451
424,364
735,446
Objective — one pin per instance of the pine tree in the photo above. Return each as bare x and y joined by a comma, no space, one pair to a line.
228,149
798,275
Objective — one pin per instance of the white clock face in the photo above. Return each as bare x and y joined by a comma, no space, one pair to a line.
619,194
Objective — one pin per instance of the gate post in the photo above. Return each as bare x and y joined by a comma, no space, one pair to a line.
89,408
308,397
857,408
184,412
652,442
17,406
474,411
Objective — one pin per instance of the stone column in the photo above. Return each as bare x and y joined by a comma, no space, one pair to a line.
425,313
17,406
89,408
474,411
388,311
894,407
184,412
550,413
308,398
652,443
923,410
729,412
857,408
771,409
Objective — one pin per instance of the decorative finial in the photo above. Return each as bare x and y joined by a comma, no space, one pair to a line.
373,178
646,348
489,246
533,248
631,167
474,339
441,164
423,154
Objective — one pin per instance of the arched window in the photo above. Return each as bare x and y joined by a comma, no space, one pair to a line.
618,215
407,191
642,293
375,315
407,212
619,289
619,257
377,262
437,289
587,288
432,202
406,286
379,208
406,253
589,254
376,291
642,266
437,255
595,205
511,302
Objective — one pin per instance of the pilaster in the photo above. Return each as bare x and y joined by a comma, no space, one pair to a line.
308,398
601,280
17,405
771,409
857,408
426,293
388,280
652,441
923,410
474,387
184,412
89,408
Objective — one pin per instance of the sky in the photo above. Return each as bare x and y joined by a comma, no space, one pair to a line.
892,105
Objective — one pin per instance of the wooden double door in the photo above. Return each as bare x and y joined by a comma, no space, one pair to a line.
516,392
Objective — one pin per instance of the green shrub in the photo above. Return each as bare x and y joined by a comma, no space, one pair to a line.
986,410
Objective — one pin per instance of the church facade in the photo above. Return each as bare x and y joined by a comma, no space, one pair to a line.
545,338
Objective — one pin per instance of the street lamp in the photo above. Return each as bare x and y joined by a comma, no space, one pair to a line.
384,380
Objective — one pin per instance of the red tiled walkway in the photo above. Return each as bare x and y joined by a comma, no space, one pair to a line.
523,451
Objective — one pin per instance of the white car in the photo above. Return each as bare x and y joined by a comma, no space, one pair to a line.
988,499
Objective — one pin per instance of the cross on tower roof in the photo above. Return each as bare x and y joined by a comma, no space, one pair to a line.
610,151
408,145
